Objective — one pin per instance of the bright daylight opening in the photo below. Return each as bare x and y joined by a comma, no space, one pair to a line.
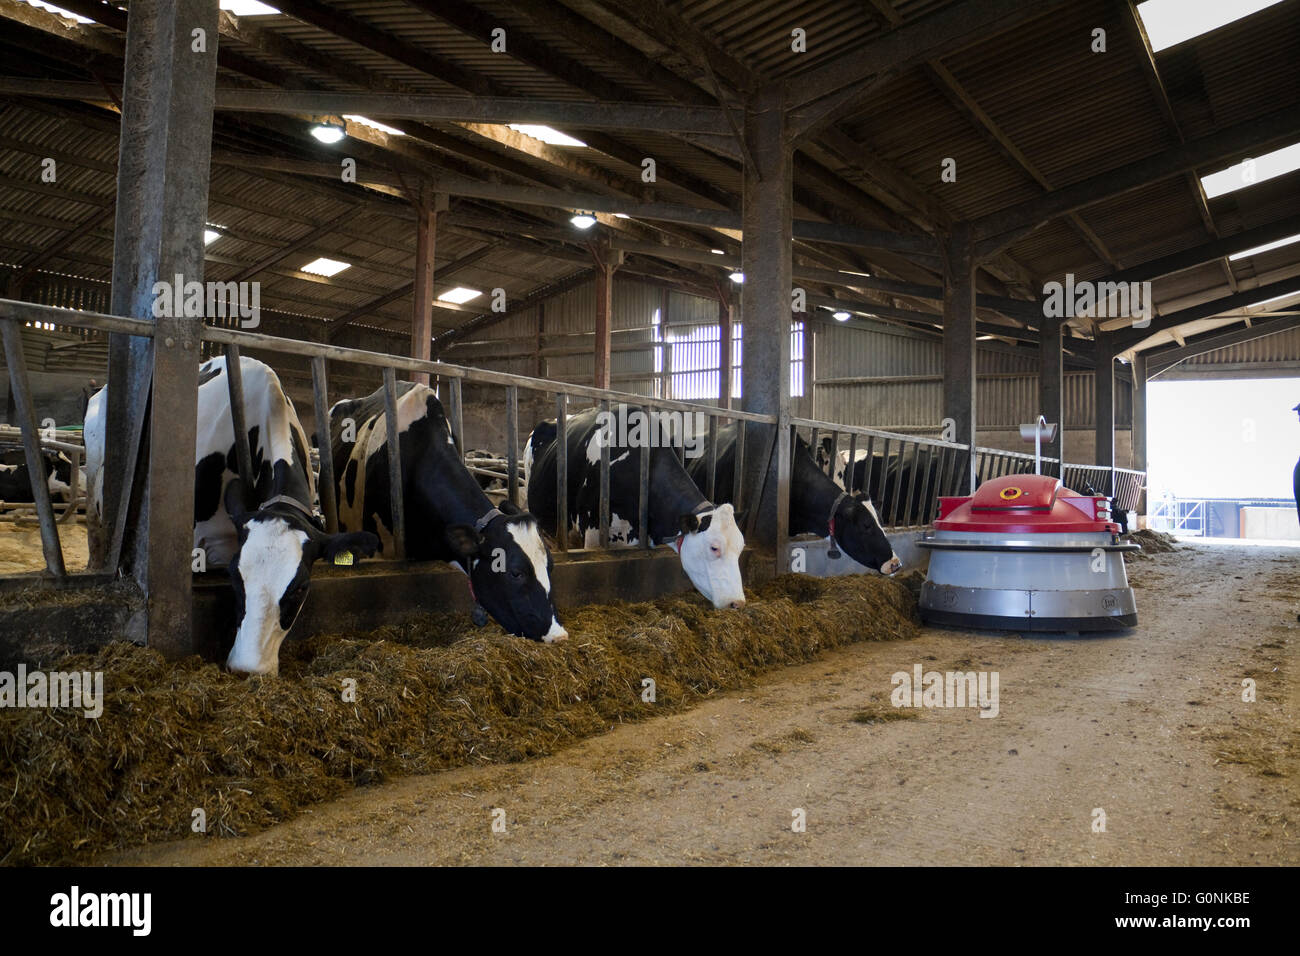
547,135
1220,457
1169,22
247,8
326,267
1253,170
366,121
1267,247
459,295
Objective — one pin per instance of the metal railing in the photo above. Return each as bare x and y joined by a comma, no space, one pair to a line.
904,474
1179,516
450,379
11,437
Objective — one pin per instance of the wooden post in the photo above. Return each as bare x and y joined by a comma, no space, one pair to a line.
1051,391
1104,403
427,208
766,262
320,403
607,261
162,199
1139,434
726,314
959,340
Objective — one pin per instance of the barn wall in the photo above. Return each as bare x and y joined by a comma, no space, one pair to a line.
912,401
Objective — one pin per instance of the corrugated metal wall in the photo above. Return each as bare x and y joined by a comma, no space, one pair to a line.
1006,389
911,400
1279,349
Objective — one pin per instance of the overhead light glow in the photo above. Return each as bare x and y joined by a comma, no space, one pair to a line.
247,8
717,252
1170,22
326,267
547,135
621,215
1267,247
327,132
1254,170
737,277
210,236
459,295
583,220
366,121
842,316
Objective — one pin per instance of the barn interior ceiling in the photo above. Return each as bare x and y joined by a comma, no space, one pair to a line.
1076,159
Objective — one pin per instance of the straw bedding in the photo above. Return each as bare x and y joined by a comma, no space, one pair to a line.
437,693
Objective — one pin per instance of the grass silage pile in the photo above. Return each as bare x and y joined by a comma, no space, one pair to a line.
175,737
1151,542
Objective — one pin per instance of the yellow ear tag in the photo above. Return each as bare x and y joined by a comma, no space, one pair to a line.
343,558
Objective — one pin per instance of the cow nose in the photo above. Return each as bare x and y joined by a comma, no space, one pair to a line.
891,566
737,604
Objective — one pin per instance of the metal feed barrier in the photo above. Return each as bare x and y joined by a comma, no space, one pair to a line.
932,467
450,379
11,437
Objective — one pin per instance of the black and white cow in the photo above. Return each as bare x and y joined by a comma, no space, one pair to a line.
16,480
705,536
817,505
448,516
267,536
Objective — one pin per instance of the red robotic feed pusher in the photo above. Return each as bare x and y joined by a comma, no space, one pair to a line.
1026,553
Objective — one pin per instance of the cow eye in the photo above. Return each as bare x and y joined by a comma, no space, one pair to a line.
717,551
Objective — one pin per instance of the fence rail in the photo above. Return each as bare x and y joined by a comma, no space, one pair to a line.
905,474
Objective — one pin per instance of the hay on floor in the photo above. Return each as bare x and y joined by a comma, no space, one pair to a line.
179,736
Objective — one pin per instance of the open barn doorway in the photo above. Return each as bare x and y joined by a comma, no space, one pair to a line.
1220,458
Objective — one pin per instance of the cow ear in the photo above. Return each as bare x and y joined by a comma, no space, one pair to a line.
689,523
345,547
464,541
234,501
508,508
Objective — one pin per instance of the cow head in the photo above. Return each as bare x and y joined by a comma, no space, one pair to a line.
509,570
270,573
710,546
858,531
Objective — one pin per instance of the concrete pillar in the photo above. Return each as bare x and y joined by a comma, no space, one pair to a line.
1104,404
959,339
1051,393
426,226
162,200
1139,368
765,311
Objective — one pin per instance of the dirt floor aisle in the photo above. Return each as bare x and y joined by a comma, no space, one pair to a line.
1149,727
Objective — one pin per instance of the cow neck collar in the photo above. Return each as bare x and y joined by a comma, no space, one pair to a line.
291,502
487,519
479,525
830,521
675,541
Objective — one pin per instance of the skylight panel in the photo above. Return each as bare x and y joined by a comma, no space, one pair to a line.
1170,22
1252,170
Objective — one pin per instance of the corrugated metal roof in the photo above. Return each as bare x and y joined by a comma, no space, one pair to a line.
1071,112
